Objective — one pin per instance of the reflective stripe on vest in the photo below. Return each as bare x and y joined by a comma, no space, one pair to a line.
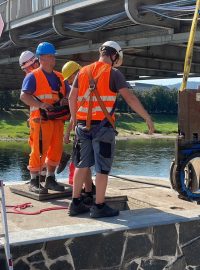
44,92
41,97
103,88
103,98
49,96
96,109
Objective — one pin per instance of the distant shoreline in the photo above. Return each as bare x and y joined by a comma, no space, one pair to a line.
118,138
146,136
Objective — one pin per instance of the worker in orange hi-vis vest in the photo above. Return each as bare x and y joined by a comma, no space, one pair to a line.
92,102
28,62
44,91
69,72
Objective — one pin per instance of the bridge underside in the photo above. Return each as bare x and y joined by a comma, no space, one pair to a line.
152,47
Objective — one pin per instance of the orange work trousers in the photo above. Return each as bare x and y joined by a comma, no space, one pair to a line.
46,142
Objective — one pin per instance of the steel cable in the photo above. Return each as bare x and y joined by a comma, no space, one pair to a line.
95,24
87,26
177,10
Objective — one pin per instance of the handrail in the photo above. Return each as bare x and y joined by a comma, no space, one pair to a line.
22,8
3,9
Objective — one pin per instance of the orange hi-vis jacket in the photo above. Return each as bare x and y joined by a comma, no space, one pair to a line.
44,92
101,72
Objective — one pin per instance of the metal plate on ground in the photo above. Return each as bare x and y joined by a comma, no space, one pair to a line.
23,190
118,202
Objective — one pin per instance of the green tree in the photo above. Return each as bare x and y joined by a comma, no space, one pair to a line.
156,100
16,102
5,100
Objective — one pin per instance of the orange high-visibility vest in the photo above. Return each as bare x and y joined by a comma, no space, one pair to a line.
44,92
103,87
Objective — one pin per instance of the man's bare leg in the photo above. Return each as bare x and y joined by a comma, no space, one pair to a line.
88,181
80,175
101,184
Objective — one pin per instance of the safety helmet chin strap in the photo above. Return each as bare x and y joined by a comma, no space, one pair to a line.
111,52
115,59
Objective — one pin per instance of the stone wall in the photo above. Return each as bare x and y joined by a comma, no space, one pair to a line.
169,247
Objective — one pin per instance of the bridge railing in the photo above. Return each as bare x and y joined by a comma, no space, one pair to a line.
16,9
23,8
3,10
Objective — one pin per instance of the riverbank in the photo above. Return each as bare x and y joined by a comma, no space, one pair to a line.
146,136
129,126
119,137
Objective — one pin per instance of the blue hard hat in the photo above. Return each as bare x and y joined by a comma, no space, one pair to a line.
45,48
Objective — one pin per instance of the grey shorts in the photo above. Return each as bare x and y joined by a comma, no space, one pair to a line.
97,149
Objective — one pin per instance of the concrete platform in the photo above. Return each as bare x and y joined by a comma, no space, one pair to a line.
151,201
145,195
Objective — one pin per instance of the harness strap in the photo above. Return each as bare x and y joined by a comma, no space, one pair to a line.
103,107
89,115
92,82
93,91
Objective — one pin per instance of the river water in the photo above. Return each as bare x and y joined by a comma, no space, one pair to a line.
133,157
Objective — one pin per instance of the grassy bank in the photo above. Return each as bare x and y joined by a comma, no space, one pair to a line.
13,124
132,123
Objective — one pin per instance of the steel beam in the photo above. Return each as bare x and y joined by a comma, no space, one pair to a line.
14,37
58,22
132,43
75,5
132,11
88,46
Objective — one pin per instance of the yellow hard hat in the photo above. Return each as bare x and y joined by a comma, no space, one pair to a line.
69,69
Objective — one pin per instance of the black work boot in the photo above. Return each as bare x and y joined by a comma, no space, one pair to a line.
43,173
87,198
42,178
35,186
51,183
93,189
63,162
104,211
77,208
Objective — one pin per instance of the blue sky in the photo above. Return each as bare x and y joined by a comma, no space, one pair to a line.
167,81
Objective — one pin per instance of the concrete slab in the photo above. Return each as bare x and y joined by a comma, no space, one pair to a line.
151,202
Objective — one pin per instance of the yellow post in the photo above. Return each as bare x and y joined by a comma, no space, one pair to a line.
189,51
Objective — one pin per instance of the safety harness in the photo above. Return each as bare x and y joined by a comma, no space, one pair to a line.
92,91
57,111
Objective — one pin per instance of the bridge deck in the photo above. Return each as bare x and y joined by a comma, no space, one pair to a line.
153,46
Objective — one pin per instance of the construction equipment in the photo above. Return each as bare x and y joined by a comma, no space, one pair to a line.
5,228
185,169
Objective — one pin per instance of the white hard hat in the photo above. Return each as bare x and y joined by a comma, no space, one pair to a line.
114,45
26,59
